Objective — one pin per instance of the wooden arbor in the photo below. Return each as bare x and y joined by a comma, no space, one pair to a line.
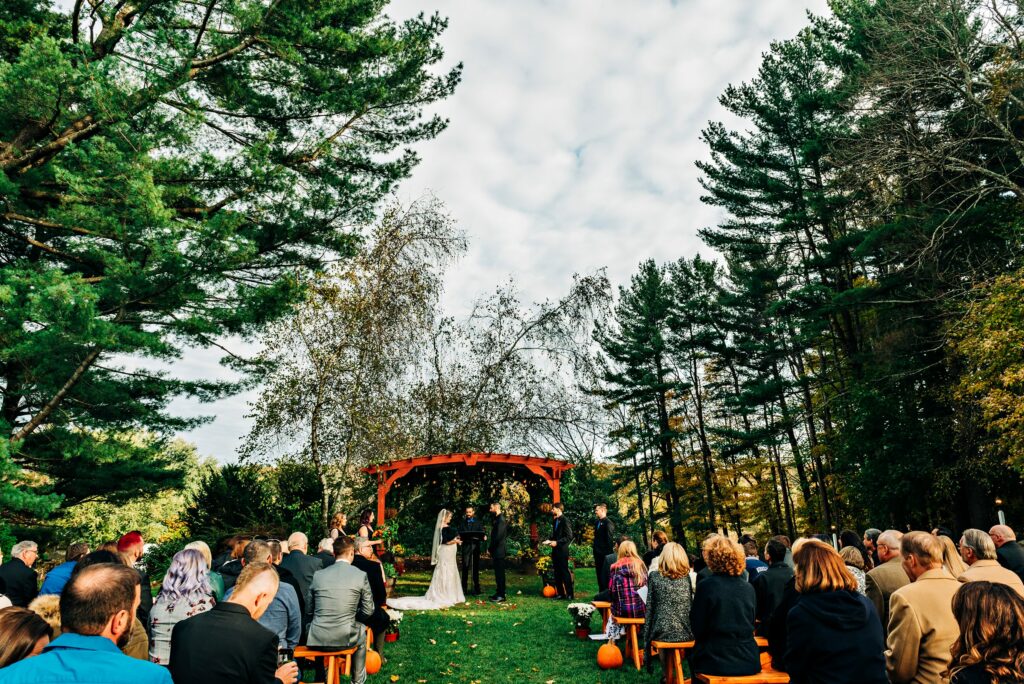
548,469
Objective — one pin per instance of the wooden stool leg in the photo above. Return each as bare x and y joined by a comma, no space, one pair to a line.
635,641
332,672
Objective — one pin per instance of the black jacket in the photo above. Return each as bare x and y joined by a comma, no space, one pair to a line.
230,572
375,576
769,587
722,618
604,537
835,637
325,557
145,599
224,645
778,627
303,567
21,582
1011,557
562,535
499,533
288,578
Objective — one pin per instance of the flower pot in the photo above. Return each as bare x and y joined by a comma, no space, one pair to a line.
391,637
582,633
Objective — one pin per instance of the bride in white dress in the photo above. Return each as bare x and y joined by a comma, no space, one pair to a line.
446,585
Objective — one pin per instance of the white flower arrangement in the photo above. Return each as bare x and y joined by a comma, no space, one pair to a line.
395,615
581,610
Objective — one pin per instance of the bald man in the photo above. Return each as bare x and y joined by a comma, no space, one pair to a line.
302,566
889,576
1008,552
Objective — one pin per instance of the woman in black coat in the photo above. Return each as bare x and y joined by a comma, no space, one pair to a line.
834,634
722,616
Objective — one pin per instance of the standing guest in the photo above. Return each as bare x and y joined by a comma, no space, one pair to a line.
337,527
23,634
97,608
301,566
887,576
277,555
499,533
990,648
658,541
849,538
951,559
341,594
854,561
185,592
979,553
784,540
283,616
604,543
133,546
723,614
18,577
869,541
368,562
561,539
753,563
56,578
470,553
921,624
1008,552
834,636
225,551
628,574
226,645
215,579
366,520
770,585
669,600
325,552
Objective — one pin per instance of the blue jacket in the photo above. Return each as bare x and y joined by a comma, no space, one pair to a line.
283,616
85,660
57,578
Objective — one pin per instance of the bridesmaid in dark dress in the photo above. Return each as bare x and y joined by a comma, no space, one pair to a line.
990,649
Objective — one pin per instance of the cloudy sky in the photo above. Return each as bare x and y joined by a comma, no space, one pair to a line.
572,141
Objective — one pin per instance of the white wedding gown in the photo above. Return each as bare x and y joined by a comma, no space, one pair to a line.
445,588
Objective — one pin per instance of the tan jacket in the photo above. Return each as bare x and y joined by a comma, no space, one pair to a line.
880,583
992,571
922,629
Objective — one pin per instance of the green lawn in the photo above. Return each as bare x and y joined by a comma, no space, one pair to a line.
528,639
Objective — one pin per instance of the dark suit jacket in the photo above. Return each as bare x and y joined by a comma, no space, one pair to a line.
499,533
769,587
562,535
145,600
604,533
326,558
303,567
224,645
288,578
1011,557
21,582
723,627
375,576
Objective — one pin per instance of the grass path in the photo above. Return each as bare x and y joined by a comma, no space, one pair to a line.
528,639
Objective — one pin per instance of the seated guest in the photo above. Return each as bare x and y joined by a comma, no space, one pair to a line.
628,574
850,539
231,567
669,599
658,542
723,614
921,624
979,554
300,565
990,648
854,561
226,645
753,564
770,584
1008,552
184,593
283,617
834,635
951,558
366,560
23,634
887,576
59,576
225,551
277,554
97,610
215,579
340,595
18,577
138,640
325,552
47,606
604,593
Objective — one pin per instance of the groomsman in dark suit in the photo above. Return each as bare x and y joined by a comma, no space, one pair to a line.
604,543
471,552
499,532
561,538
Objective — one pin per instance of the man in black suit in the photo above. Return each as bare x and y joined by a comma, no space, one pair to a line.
226,645
561,538
22,584
302,567
499,533
604,543
325,552
471,552
366,561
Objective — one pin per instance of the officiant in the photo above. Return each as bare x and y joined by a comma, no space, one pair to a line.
472,532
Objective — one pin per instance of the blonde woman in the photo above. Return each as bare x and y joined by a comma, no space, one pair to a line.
952,561
216,581
669,600
628,574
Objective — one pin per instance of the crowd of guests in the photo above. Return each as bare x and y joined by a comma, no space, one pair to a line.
921,607
234,617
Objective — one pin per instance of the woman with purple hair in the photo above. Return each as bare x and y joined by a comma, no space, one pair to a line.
185,592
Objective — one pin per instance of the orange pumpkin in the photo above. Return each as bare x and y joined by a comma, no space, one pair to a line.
609,657
373,661
549,591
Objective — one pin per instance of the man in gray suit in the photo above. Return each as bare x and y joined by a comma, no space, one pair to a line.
341,599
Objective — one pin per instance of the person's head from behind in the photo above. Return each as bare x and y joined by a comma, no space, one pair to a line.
23,634
255,588
627,557
852,556
1002,534
723,556
784,540
345,548
601,511
203,548
257,551
674,562
75,552
658,539
297,541
276,551
976,545
774,551
100,600
819,568
47,606
849,538
621,538
187,577
991,620
326,544
363,547
750,548
132,544
921,552
889,545
26,551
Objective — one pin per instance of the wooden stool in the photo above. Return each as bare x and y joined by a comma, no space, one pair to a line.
332,666
762,643
767,676
632,637
675,652
605,607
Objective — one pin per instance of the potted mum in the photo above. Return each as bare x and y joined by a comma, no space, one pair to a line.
392,632
581,613
544,570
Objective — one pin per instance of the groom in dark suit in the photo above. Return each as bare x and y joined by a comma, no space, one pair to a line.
561,538
499,532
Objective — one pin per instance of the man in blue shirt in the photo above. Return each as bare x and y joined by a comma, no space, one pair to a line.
283,616
97,611
755,566
59,576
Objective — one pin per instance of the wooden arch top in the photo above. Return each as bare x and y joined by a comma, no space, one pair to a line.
548,469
